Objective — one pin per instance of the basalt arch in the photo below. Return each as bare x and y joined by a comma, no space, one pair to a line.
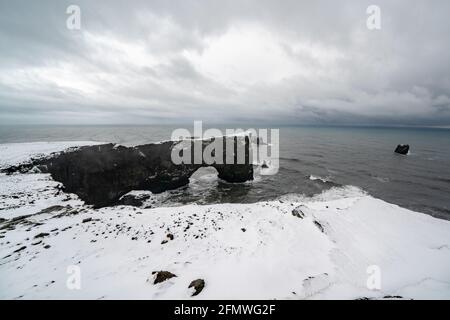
100,175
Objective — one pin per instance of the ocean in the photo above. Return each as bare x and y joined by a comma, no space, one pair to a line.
312,159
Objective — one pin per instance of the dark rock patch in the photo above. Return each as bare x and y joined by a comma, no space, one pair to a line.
67,211
318,225
392,297
134,200
298,213
162,276
198,286
402,149
52,209
20,249
12,223
41,235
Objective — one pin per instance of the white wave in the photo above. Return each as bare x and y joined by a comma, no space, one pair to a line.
204,179
332,194
381,179
138,193
314,178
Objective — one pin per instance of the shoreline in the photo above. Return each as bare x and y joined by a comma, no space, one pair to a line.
238,249
291,248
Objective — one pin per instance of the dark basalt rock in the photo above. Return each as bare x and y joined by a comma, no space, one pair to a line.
162,276
20,249
41,235
11,224
198,286
402,149
297,212
392,297
52,209
101,174
134,200
319,226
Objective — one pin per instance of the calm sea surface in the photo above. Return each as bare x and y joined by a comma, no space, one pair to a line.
339,156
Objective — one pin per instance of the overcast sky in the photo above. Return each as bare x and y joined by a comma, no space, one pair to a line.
284,62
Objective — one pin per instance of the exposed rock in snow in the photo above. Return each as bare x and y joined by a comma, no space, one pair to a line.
198,286
135,199
161,276
297,212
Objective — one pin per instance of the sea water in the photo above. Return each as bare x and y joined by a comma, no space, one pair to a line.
312,159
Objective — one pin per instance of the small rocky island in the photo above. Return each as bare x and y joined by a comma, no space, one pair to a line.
101,174
402,149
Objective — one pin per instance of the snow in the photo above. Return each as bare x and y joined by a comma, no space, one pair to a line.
14,153
242,251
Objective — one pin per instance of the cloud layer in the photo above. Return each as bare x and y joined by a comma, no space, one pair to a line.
253,61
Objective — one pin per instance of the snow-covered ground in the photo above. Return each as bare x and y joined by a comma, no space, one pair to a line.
324,247
14,153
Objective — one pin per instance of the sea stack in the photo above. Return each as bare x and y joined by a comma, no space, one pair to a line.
402,149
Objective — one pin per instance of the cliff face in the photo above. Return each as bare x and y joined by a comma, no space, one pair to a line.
101,174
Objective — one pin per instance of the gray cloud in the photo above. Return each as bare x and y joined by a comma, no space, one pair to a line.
290,62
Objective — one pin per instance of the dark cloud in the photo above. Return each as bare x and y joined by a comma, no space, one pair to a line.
242,61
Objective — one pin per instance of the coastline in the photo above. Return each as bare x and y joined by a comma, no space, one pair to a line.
242,251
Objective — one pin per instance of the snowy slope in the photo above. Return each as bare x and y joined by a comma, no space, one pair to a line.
14,153
242,251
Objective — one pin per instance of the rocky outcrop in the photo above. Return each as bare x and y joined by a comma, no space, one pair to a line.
198,286
101,174
135,200
402,149
297,212
161,276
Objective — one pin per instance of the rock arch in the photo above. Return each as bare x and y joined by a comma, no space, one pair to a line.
101,174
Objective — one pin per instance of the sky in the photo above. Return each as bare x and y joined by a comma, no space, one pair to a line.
252,61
